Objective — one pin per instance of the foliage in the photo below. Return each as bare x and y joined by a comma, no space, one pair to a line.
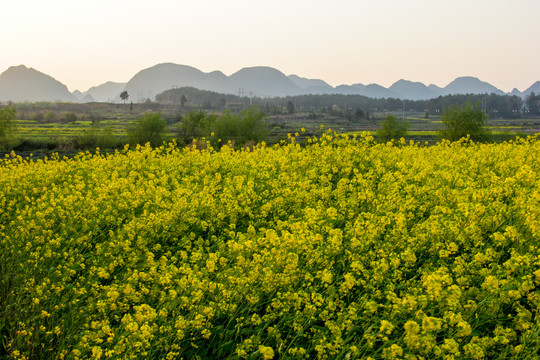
390,128
359,114
124,96
533,103
464,121
195,125
149,105
70,117
505,106
97,137
50,116
95,118
290,107
38,117
248,126
7,126
180,96
151,128
342,249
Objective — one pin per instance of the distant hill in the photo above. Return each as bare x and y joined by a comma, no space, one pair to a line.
413,90
533,88
516,92
436,89
470,85
217,81
371,90
78,95
378,91
19,84
147,83
264,81
87,98
354,89
107,92
312,86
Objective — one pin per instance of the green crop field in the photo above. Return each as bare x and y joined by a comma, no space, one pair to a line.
33,129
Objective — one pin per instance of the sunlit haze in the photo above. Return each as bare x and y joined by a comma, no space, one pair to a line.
84,44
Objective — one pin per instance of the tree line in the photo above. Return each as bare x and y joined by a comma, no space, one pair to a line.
353,106
496,106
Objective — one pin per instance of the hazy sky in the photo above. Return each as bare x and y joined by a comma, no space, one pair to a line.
83,44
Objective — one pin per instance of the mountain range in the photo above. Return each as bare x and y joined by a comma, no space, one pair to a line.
20,83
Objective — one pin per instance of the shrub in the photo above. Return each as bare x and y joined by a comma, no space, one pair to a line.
391,128
70,117
96,137
151,128
249,125
463,121
195,125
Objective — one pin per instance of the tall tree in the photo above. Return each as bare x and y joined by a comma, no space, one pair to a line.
290,107
533,103
124,96
183,100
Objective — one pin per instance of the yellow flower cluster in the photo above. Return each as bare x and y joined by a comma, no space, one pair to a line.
342,248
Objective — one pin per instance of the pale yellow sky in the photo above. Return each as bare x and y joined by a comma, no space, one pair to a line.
84,44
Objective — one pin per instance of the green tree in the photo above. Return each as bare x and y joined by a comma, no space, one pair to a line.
359,114
70,117
95,118
249,125
150,128
38,117
390,128
195,125
124,96
7,127
533,103
50,116
252,125
290,107
460,121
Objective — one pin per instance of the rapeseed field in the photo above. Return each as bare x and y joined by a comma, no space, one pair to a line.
340,249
